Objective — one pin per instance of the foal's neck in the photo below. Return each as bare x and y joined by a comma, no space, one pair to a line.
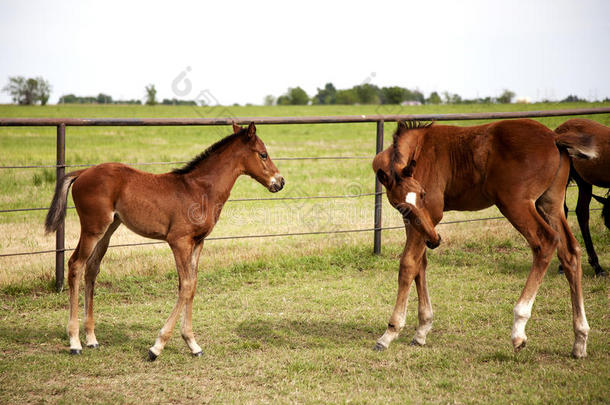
217,174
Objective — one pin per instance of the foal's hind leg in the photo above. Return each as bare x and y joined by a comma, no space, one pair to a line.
91,272
76,265
569,254
543,241
585,191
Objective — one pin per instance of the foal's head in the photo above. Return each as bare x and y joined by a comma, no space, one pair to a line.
404,192
256,161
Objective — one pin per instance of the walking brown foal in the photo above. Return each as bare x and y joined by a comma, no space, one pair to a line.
180,207
520,166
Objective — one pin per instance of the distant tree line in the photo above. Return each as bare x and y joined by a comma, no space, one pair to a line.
30,91
101,98
372,94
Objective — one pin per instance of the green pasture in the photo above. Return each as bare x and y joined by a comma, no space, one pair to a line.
284,320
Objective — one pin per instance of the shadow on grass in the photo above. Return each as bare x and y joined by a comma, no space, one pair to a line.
299,333
55,338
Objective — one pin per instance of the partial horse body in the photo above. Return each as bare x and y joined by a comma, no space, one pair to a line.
180,207
589,173
520,166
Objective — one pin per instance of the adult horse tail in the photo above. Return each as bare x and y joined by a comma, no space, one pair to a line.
606,208
57,211
579,145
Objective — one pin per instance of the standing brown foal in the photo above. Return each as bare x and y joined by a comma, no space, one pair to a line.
180,207
589,173
520,166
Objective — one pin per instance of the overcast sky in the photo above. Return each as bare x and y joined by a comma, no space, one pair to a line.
241,51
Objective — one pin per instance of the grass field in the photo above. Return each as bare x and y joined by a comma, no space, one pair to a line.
284,319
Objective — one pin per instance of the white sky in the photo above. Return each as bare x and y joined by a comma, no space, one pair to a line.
241,51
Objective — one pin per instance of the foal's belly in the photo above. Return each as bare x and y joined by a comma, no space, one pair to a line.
145,222
467,202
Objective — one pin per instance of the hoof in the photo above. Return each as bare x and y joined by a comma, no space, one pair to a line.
520,346
578,354
75,352
93,346
151,356
415,343
560,270
601,273
198,354
379,347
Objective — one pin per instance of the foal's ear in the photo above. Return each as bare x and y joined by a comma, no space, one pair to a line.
251,130
383,178
236,128
408,169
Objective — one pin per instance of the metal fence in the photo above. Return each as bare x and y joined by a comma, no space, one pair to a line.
60,165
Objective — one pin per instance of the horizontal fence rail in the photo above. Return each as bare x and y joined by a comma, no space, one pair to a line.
336,119
60,166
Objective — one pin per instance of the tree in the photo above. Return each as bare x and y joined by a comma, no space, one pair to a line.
151,95
572,98
347,97
392,95
327,95
367,93
44,90
269,100
28,91
434,98
294,96
416,95
506,97
452,98
103,99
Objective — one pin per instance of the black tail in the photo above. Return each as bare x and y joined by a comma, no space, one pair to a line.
57,211
606,209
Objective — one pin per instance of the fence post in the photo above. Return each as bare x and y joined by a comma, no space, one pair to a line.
377,231
59,236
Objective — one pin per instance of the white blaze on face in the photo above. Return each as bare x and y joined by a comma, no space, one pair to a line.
411,198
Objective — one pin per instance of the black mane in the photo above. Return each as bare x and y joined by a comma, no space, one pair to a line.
187,168
402,128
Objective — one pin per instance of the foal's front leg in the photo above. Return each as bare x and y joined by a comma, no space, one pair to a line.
424,309
187,315
410,265
183,250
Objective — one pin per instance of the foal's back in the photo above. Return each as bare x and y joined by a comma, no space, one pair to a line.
137,197
481,162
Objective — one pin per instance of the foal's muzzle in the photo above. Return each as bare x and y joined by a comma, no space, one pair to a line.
277,183
434,245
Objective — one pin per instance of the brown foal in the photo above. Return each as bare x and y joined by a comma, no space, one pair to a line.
520,166
589,173
180,207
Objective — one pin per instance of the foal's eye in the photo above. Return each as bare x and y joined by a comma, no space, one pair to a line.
263,155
